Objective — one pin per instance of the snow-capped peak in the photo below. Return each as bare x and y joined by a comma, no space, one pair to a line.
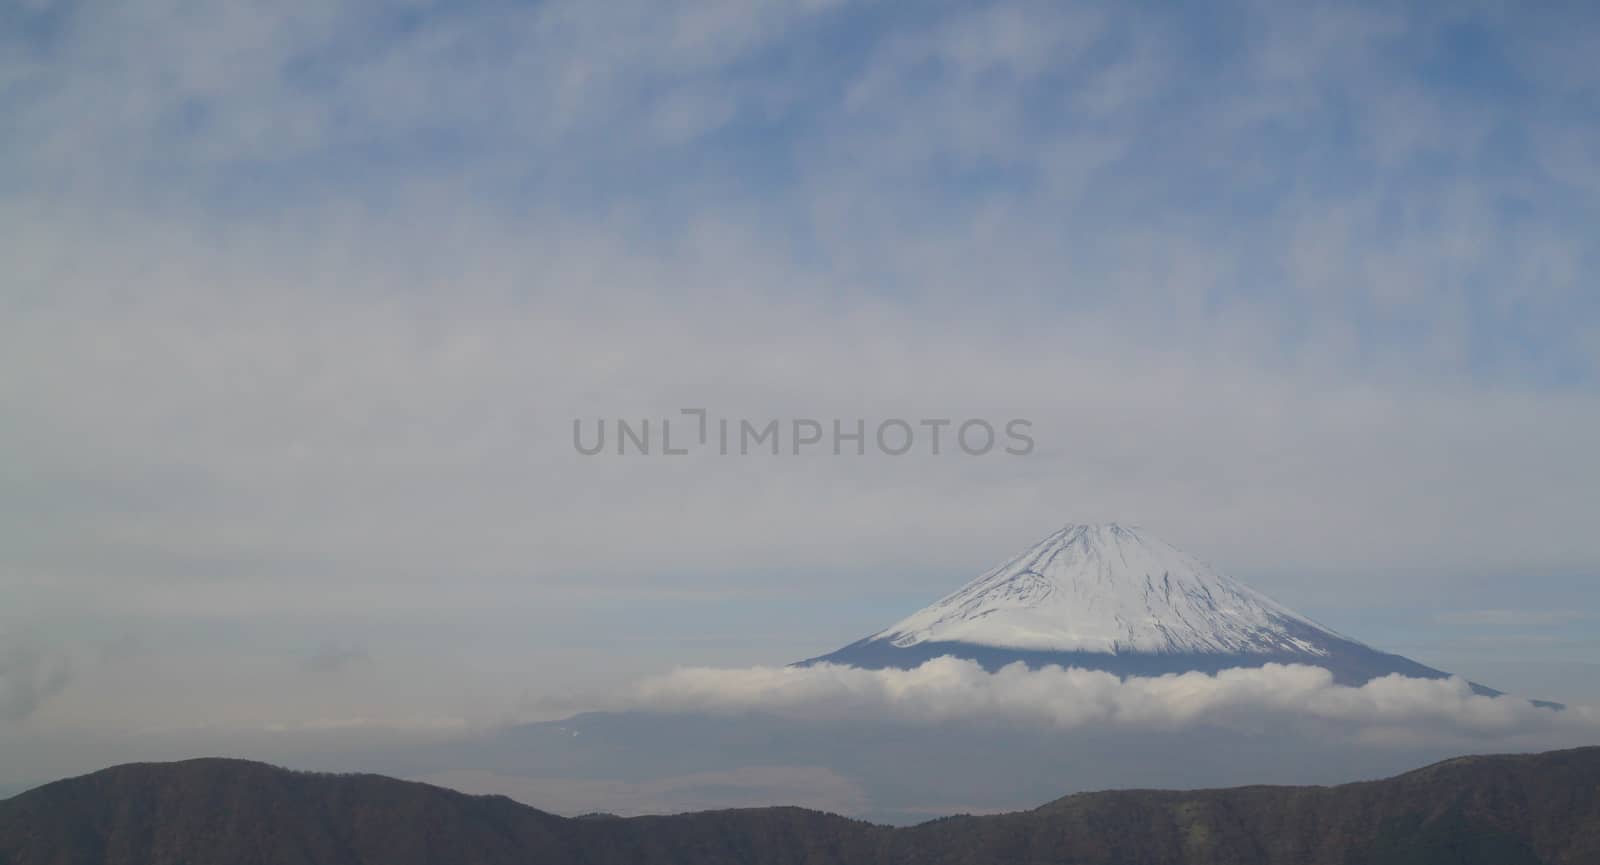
1114,589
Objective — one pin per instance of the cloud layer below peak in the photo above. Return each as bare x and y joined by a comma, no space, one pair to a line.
1392,709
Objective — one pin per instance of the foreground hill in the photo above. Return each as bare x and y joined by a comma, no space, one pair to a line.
1541,809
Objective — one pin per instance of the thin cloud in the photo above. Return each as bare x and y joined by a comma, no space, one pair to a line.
1299,306
1513,618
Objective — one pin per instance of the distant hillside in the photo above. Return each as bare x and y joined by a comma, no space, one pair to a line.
1539,809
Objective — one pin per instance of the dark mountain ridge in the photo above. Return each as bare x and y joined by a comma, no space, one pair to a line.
1541,809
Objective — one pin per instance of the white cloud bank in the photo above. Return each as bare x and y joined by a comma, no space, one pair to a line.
1393,709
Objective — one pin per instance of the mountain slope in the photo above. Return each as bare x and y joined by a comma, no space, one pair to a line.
1512,810
1116,598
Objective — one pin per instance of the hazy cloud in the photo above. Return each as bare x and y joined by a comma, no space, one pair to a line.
331,657
28,676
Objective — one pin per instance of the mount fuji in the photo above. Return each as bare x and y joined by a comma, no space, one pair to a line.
1102,597
1115,598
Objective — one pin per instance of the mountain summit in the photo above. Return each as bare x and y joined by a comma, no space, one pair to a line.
1116,598
1114,589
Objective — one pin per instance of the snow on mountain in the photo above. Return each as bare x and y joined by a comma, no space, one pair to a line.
1116,598
1108,588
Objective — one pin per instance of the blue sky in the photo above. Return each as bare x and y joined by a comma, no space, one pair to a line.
301,302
